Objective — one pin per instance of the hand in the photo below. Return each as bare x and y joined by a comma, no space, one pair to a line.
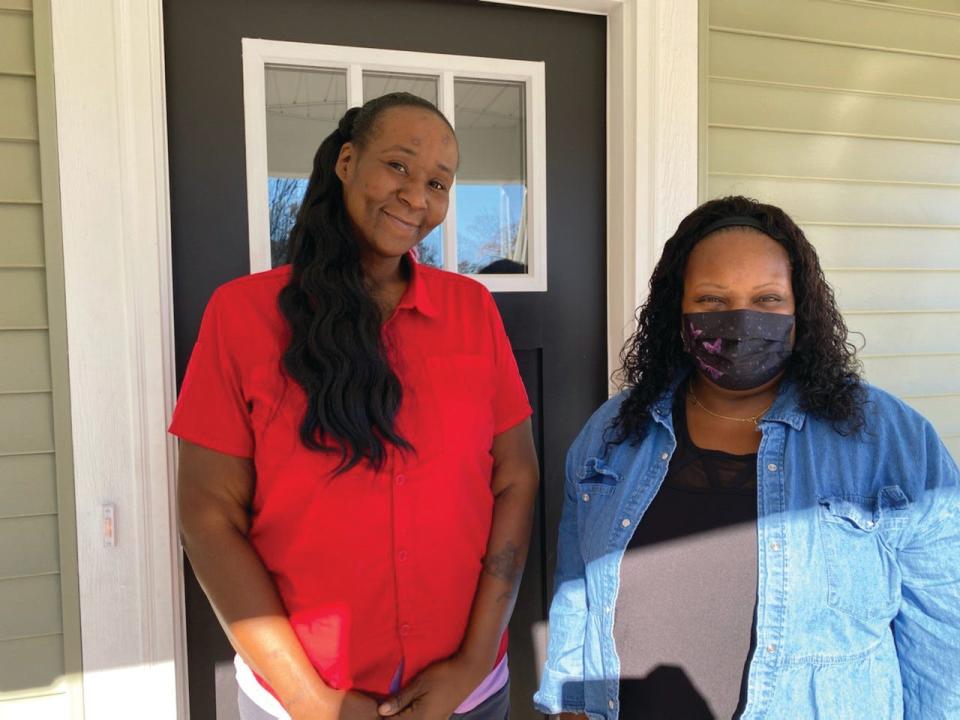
357,706
350,705
436,692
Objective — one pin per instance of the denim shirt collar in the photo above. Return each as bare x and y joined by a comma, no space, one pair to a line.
785,409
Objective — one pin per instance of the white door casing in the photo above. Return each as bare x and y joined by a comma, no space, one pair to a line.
111,123
258,54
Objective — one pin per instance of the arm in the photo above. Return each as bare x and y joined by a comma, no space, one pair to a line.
213,496
439,689
927,628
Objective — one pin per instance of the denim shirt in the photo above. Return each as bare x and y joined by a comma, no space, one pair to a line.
858,597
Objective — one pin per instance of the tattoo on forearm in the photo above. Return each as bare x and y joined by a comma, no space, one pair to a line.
505,564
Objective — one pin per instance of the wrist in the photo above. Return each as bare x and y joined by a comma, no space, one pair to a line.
476,665
314,700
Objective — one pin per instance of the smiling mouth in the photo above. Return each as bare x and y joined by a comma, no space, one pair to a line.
403,224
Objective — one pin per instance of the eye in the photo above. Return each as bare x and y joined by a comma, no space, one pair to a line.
769,299
437,185
709,299
398,166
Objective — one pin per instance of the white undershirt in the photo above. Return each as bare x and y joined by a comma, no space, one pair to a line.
252,688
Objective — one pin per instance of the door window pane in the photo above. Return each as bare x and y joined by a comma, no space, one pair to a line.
430,249
376,84
304,105
492,178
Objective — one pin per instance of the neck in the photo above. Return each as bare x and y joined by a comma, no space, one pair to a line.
734,402
387,281
383,272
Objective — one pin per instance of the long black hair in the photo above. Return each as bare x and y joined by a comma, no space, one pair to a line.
336,353
823,365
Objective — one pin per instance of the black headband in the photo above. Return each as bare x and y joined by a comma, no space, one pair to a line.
734,221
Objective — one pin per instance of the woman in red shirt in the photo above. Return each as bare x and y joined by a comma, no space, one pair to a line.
357,472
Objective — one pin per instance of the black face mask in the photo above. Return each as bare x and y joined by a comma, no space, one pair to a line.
738,349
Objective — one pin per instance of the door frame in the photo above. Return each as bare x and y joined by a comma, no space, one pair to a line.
114,194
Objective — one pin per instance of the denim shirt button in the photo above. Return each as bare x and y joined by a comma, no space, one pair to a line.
771,648
775,546
625,522
772,467
586,497
665,456
610,704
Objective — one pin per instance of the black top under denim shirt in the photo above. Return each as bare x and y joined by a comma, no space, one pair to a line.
688,584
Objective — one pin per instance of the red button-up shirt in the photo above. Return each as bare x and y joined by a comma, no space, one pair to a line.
377,569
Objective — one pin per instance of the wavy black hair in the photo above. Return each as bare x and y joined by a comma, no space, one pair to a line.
823,366
336,353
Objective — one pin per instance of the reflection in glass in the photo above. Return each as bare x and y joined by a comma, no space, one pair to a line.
284,197
430,249
376,84
303,107
491,180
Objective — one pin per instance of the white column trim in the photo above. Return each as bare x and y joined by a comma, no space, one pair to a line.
111,120
110,98
652,105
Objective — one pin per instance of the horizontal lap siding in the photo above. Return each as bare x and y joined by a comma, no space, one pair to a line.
39,626
847,115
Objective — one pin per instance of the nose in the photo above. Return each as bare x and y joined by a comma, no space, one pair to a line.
413,195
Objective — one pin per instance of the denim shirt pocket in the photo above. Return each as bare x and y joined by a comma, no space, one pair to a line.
596,482
863,579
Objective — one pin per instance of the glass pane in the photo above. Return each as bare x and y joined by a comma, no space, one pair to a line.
430,249
304,105
492,178
376,84
285,195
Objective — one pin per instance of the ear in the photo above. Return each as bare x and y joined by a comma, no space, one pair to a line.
345,161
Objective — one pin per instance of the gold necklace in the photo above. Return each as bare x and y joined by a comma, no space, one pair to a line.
753,418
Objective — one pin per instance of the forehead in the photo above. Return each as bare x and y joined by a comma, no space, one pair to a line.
734,253
414,126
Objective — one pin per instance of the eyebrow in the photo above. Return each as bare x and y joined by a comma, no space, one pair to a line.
718,286
413,153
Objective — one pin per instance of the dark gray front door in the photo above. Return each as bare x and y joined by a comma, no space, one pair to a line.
559,336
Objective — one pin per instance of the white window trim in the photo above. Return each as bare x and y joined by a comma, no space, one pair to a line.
258,53
111,118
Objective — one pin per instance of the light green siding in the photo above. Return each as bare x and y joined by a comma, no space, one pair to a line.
846,113
39,613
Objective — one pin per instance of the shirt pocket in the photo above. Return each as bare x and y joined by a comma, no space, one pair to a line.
596,484
863,578
460,405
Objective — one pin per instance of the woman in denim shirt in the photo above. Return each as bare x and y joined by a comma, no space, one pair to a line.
775,537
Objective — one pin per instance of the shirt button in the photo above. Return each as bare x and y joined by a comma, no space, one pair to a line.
772,467
870,523
771,648
405,629
610,704
775,546
664,456
607,608
401,479
402,555
586,497
625,522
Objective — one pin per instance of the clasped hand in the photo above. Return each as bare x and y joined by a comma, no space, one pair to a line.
436,692
433,695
